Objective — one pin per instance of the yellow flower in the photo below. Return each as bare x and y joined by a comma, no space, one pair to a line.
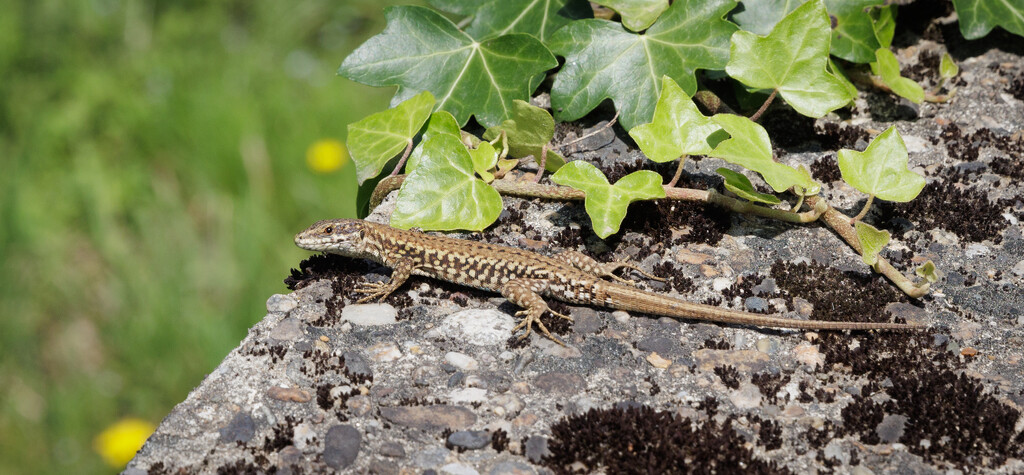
326,156
118,443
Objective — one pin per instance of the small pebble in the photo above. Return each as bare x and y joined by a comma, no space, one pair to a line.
470,439
756,304
370,314
341,446
484,327
747,396
392,449
458,469
468,395
279,303
384,352
658,362
461,361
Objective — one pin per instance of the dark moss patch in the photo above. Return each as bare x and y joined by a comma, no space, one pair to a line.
966,212
642,440
729,375
836,296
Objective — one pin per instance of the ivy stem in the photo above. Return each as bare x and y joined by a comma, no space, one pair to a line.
840,223
405,156
712,103
764,107
679,172
799,203
592,133
864,211
542,164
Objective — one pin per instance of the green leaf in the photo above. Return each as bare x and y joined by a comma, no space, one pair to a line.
738,183
854,37
760,16
443,193
881,170
838,72
978,17
528,130
458,7
637,14
603,60
750,148
947,67
606,204
484,158
872,241
377,138
928,272
884,23
791,59
888,68
678,127
539,18
422,50
440,122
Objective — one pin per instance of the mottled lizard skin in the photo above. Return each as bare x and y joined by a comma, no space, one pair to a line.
523,277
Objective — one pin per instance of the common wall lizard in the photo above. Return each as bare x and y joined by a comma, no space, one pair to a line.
522,277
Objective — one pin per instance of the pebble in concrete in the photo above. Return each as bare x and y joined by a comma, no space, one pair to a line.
430,418
281,303
341,446
478,326
470,439
370,314
241,428
461,361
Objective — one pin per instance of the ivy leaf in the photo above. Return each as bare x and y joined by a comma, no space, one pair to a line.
443,193
854,37
484,158
678,127
539,18
888,68
760,16
872,241
738,183
881,170
928,272
422,50
837,71
791,60
377,138
439,123
750,148
637,14
603,60
458,7
605,203
528,130
978,17
884,24
947,67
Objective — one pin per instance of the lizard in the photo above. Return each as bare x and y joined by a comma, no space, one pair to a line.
524,277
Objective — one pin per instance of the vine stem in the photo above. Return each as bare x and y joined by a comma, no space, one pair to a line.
764,107
679,172
864,211
543,163
405,156
840,223
592,133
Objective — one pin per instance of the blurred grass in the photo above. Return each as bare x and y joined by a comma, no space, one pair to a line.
153,174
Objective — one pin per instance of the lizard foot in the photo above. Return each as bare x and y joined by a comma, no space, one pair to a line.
610,267
530,317
373,290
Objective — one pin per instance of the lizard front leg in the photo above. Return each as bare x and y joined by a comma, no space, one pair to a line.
586,263
379,290
526,293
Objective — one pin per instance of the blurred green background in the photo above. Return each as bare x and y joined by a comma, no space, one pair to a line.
154,171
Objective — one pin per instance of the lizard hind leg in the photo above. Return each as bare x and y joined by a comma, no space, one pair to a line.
525,293
586,263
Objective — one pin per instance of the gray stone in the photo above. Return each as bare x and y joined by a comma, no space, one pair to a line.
456,379
356,365
392,449
430,418
586,321
658,344
537,448
458,469
281,303
370,314
461,361
470,439
560,383
766,287
483,327
891,428
756,304
290,329
241,428
430,457
341,446
747,396
511,468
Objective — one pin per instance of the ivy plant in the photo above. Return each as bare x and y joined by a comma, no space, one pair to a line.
462,118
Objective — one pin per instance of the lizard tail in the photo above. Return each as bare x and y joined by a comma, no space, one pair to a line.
636,300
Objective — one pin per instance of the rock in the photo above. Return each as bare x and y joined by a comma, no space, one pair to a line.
290,329
241,428
891,428
461,361
341,446
384,352
281,303
356,365
809,355
369,314
747,396
746,361
511,468
835,451
537,448
430,457
470,439
755,304
468,395
392,449
560,383
458,469
289,455
434,417
289,394
482,327
586,321
658,362
658,344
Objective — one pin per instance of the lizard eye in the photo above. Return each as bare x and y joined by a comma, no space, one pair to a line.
329,230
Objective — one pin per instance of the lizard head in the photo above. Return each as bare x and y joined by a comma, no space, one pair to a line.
337,236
